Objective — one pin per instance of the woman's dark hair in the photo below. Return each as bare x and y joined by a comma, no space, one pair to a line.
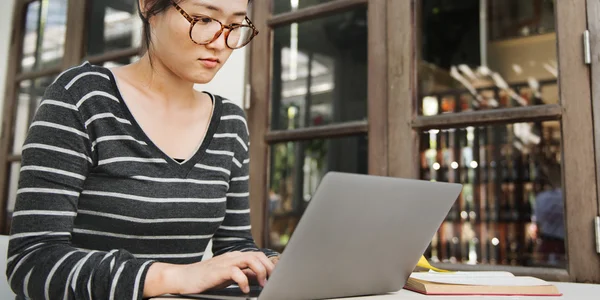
153,8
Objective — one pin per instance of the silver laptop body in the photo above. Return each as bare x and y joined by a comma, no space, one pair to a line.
360,235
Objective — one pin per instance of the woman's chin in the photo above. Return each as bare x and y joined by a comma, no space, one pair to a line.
201,78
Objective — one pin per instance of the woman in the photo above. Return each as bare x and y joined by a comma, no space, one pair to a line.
128,173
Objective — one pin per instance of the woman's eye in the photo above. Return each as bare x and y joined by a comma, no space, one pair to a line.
204,20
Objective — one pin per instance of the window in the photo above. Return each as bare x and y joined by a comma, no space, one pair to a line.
52,36
495,112
494,97
317,122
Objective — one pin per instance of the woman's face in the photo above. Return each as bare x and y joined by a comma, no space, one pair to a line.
171,43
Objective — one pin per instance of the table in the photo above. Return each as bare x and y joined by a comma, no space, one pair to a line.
571,291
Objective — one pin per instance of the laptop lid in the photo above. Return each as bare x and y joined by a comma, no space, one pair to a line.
360,235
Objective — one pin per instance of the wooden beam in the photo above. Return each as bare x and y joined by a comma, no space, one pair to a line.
402,140
486,117
313,12
114,55
10,100
13,158
593,11
320,132
258,122
37,74
377,87
77,26
579,173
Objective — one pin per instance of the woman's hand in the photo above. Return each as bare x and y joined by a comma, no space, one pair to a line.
274,259
217,272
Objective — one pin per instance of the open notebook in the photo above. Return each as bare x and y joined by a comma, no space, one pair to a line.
479,283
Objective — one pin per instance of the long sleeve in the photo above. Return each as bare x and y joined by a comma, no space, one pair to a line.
42,263
234,233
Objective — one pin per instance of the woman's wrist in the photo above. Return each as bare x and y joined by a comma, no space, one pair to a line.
274,259
162,279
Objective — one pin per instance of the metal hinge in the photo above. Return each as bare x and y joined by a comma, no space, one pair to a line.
587,51
247,96
597,234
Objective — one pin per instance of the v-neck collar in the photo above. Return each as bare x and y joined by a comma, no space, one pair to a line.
178,169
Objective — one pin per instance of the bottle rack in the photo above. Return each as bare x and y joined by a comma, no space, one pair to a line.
491,222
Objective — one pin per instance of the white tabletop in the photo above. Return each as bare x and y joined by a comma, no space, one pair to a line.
571,291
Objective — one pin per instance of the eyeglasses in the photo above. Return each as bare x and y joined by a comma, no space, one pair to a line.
205,30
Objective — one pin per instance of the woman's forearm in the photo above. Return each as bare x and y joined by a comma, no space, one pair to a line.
161,279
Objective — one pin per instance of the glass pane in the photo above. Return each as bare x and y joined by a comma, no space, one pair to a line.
297,169
511,209
476,58
30,96
320,71
281,6
45,32
32,21
113,25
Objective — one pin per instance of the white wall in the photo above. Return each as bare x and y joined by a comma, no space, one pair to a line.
6,10
229,82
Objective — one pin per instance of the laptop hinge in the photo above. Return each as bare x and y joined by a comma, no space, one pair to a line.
597,234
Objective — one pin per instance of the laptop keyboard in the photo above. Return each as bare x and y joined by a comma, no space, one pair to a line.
235,291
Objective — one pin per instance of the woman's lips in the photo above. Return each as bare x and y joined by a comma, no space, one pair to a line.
209,63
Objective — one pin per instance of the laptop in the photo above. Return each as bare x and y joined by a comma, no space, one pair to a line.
360,235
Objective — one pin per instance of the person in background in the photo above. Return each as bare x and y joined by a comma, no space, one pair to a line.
128,173
549,214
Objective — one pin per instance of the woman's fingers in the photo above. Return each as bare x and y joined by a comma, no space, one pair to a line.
266,262
252,278
257,266
240,278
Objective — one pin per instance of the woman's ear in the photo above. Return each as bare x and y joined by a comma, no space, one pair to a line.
142,8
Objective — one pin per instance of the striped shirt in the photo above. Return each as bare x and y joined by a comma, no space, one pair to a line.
98,202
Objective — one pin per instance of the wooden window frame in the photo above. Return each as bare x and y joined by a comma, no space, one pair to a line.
593,10
261,137
579,176
74,54
393,124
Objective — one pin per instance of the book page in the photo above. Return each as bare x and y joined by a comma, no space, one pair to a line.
473,279
476,274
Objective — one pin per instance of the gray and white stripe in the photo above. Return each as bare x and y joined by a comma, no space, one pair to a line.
154,200
44,213
70,84
138,278
52,170
52,271
141,237
236,117
167,256
105,116
149,221
211,168
59,103
59,127
56,149
117,138
131,159
115,281
181,180
94,94
233,136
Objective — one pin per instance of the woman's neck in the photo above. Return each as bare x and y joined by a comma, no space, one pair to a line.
161,83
